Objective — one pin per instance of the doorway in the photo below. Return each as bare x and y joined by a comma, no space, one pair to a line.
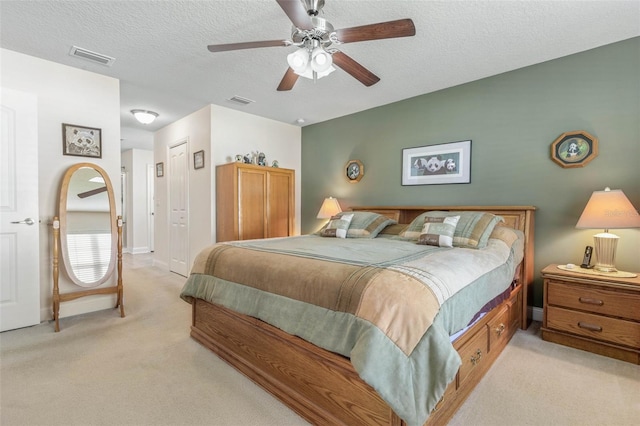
19,222
150,208
123,200
179,208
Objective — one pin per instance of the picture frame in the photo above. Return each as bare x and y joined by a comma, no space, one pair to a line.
574,149
159,169
198,159
81,141
446,163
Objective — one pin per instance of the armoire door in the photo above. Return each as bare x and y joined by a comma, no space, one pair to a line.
280,206
252,188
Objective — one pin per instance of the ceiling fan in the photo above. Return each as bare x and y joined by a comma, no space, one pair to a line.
315,38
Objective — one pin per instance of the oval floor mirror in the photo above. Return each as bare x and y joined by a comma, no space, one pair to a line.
88,234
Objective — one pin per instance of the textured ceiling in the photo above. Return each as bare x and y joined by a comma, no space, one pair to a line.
163,64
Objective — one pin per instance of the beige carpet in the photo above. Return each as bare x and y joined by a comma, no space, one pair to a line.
146,370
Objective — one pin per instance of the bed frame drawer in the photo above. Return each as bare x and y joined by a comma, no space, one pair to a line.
500,328
473,353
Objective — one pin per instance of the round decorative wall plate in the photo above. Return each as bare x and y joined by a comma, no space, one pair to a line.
574,149
354,170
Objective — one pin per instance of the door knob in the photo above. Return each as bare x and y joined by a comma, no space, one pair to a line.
27,221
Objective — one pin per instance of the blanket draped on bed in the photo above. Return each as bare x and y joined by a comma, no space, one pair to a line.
386,304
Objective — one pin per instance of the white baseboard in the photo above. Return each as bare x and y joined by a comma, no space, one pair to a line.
140,250
536,313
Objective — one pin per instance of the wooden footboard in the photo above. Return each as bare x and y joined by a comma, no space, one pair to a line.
322,386
319,385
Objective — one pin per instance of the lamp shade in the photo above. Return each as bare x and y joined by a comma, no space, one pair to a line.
320,60
609,209
298,60
329,208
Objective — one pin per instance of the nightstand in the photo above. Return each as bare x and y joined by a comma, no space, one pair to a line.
595,313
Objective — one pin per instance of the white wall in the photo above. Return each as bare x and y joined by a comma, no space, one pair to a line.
135,162
74,96
196,130
221,133
236,132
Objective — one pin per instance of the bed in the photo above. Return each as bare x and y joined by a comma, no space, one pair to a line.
357,362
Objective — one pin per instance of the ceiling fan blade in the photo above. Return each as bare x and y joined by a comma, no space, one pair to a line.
356,70
92,192
288,80
391,29
247,45
296,13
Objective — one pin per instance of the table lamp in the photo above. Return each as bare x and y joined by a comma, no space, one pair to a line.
329,208
608,209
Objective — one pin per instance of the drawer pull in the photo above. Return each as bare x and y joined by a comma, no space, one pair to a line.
475,359
588,326
499,329
590,301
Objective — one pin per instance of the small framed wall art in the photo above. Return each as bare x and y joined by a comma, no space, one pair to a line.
574,149
198,159
354,171
437,164
81,141
159,169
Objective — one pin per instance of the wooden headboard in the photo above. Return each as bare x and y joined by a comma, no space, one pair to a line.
517,217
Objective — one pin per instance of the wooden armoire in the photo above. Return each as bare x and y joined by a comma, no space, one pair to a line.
254,202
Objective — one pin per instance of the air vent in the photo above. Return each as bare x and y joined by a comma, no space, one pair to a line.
88,55
240,100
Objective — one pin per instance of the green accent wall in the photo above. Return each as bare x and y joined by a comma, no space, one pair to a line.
512,119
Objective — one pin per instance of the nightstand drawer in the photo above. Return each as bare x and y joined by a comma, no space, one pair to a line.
594,299
612,330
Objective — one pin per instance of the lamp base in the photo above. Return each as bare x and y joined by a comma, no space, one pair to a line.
605,245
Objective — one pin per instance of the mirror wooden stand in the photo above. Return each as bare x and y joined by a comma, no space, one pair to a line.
88,234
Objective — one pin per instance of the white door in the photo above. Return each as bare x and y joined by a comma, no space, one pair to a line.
19,228
179,202
126,247
151,226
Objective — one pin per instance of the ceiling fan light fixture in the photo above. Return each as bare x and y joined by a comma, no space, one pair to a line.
144,116
299,60
314,37
320,60
320,74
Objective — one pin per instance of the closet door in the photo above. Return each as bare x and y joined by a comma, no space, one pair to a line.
280,203
252,193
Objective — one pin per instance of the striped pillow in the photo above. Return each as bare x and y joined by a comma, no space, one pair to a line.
473,229
364,224
368,224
